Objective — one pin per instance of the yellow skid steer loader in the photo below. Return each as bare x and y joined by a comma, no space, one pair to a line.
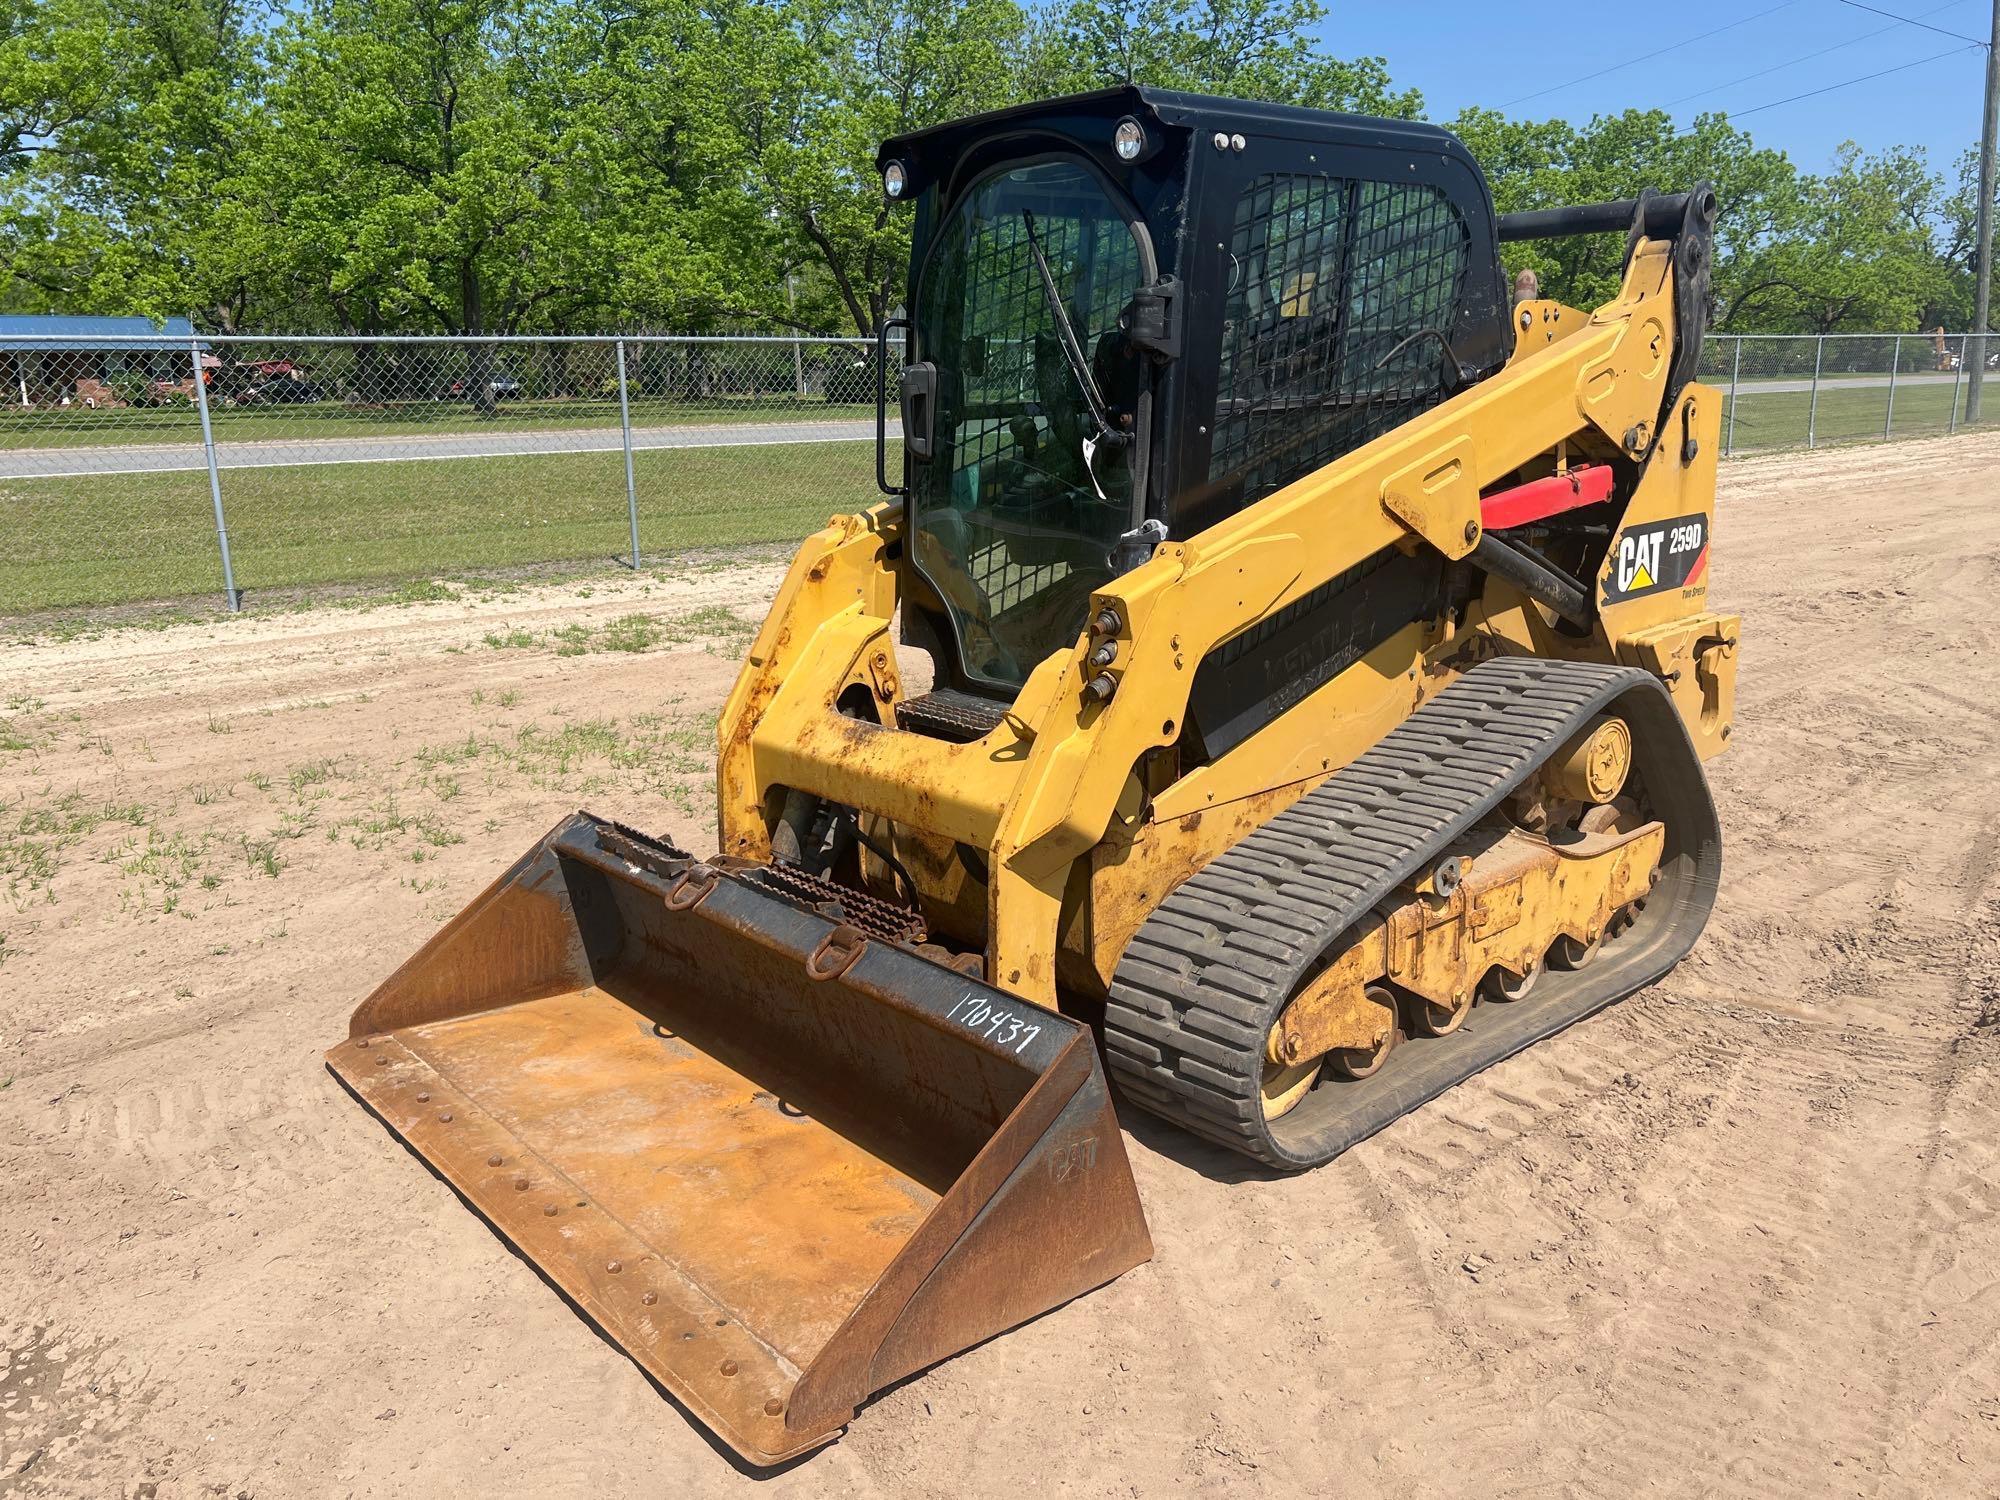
1275,684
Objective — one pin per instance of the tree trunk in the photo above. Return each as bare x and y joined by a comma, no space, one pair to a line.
480,370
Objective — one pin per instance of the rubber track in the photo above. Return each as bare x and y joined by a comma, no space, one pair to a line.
1200,986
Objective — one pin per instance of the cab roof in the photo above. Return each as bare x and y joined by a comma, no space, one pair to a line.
925,152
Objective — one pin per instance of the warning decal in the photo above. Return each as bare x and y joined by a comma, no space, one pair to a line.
1654,557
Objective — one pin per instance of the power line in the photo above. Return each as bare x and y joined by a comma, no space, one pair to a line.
1910,21
1738,114
1794,62
1633,62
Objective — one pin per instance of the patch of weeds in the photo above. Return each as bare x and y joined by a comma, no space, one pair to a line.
630,633
260,781
491,585
514,640
639,632
294,823
722,631
184,992
69,628
478,696
206,793
424,885
508,699
459,753
168,862
22,727
220,726
385,822
33,840
312,773
541,754
424,591
261,855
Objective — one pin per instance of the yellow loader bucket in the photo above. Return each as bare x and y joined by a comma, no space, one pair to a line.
782,1161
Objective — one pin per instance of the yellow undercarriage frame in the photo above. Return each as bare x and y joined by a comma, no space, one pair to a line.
1077,813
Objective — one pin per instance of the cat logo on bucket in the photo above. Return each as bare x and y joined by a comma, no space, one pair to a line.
1655,556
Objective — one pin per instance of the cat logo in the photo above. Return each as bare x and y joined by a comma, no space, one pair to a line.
1656,556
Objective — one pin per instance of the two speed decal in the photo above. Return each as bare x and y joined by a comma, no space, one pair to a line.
1656,556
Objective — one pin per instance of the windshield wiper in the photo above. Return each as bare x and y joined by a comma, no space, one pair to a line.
1072,348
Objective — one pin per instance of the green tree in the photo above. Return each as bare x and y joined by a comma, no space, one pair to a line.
1551,163
1855,249
124,119
812,88
1250,49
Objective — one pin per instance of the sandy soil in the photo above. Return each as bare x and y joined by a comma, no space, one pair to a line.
1735,1237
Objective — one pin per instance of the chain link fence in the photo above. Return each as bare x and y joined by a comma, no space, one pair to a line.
147,469
1808,390
155,468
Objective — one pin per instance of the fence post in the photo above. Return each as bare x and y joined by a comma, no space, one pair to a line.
1957,376
214,477
625,426
1735,375
1895,362
798,370
1812,407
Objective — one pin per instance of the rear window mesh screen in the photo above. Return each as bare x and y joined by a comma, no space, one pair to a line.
1330,279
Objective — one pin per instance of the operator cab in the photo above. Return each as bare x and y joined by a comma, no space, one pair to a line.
1134,312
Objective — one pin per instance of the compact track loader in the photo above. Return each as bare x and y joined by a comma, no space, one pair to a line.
1276,683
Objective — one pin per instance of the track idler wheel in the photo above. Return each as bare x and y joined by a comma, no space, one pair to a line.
1567,953
1432,1019
1285,1084
1502,988
1365,1062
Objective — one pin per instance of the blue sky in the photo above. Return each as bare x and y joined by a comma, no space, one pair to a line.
1495,52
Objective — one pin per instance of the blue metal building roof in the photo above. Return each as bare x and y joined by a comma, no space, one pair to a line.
25,331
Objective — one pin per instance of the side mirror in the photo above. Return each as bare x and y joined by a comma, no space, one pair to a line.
919,400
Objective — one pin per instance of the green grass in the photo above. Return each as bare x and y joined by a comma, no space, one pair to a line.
81,427
1778,419
120,539
34,839
115,539
672,755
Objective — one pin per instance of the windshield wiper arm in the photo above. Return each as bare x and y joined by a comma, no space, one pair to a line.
1072,347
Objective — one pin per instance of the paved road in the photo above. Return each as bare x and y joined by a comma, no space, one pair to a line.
135,458
1830,383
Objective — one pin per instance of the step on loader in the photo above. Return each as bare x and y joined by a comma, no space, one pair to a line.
1273,687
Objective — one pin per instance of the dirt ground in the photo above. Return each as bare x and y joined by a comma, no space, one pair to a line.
1736,1236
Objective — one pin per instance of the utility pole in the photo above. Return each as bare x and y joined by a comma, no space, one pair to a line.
1983,297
